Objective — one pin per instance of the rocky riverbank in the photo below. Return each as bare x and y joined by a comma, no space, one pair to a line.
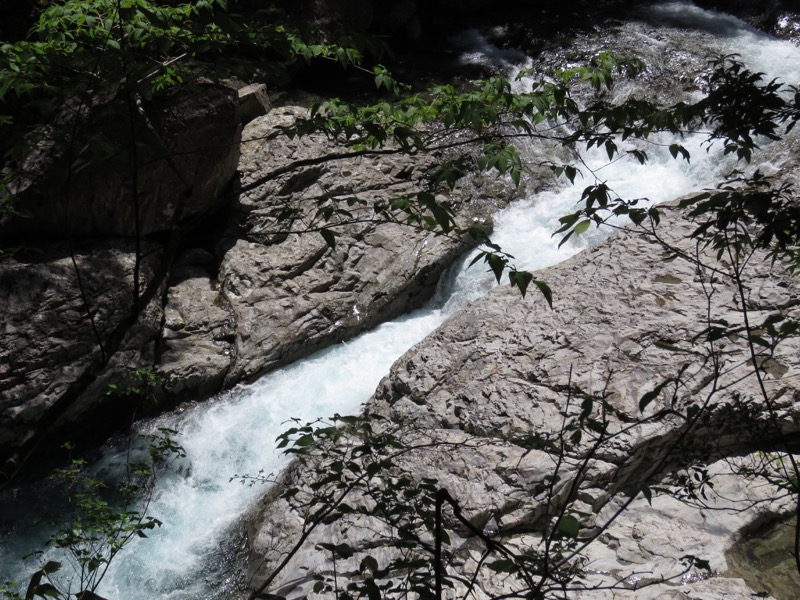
488,395
222,300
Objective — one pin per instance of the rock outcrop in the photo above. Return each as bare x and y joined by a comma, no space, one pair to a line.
242,295
489,393
52,346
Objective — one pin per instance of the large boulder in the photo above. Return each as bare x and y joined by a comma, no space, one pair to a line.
485,398
247,295
270,297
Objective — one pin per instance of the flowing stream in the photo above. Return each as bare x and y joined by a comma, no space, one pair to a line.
190,556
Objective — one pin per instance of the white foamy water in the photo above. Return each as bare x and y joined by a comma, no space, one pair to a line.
236,433
760,52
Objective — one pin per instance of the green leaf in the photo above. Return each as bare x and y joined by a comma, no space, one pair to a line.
565,238
47,590
329,236
569,526
567,221
570,172
520,279
36,578
442,217
582,226
344,550
611,149
370,563
94,564
340,550
89,595
497,264
304,440
51,567
545,290
675,149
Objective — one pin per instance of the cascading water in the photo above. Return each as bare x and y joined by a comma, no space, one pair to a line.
200,506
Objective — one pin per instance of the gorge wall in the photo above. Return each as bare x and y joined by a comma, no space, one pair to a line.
216,305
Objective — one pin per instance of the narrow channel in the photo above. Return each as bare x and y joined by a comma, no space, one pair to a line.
235,433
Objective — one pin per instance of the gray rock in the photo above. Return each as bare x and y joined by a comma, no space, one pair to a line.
288,295
195,341
253,101
500,371
55,313
254,298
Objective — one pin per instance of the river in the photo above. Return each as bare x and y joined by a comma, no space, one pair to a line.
193,555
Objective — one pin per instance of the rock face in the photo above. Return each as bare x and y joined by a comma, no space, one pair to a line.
199,129
487,395
290,295
50,341
244,297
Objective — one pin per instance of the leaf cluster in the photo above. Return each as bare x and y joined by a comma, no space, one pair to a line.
746,213
105,519
81,53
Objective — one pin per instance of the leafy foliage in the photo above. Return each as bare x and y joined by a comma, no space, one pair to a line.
738,109
747,212
360,478
399,526
81,54
105,520
141,385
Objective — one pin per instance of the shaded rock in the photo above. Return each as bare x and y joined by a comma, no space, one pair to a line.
253,101
62,321
255,297
195,341
198,129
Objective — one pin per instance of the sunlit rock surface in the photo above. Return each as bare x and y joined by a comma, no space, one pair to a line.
506,368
